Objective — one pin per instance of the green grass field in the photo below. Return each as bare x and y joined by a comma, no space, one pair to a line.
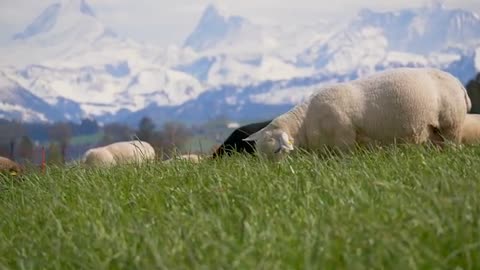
86,139
200,144
401,208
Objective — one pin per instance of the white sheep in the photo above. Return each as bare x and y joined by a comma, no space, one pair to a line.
119,153
407,105
189,157
471,129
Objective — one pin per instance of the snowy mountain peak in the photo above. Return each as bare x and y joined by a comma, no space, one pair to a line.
214,26
430,28
43,23
77,6
214,12
47,20
86,9
434,5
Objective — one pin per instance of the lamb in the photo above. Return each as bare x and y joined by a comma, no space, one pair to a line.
8,166
471,129
235,141
119,153
405,105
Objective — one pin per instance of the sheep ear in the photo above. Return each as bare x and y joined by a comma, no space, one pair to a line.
254,137
286,141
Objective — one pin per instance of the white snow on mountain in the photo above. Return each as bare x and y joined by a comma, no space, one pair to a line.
416,37
292,95
347,51
160,86
7,110
111,87
63,28
237,71
17,102
423,30
215,27
219,33
81,60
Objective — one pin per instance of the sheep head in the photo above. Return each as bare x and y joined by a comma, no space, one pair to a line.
10,167
275,144
98,157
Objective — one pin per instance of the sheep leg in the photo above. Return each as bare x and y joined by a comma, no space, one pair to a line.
439,137
435,137
450,126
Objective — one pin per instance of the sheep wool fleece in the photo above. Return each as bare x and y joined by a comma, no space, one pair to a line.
412,105
119,153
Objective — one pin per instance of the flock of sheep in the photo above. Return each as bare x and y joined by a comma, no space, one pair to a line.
403,105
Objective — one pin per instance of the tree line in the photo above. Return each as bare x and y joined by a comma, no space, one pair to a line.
166,140
473,90
23,141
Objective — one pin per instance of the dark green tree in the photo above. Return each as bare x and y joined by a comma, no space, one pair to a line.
115,132
10,131
473,90
61,133
25,148
146,129
171,138
54,154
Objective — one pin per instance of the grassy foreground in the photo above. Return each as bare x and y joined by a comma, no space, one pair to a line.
410,208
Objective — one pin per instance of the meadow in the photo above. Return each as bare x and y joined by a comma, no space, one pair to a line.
395,208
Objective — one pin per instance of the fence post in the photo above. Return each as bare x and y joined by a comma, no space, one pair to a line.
63,149
12,149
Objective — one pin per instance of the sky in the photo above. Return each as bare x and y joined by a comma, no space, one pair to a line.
165,22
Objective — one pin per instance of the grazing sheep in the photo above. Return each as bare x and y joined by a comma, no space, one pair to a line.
235,141
471,129
190,157
407,105
8,166
119,153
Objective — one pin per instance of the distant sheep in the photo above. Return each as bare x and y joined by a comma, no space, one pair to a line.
190,157
407,105
8,166
235,141
119,153
471,129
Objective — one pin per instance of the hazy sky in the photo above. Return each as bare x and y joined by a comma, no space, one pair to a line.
165,22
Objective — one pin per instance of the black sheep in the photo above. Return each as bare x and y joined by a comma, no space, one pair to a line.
235,142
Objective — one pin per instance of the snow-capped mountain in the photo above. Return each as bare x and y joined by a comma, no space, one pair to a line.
106,89
68,56
64,17
224,69
413,37
214,27
234,50
423,30
218,33
67,64
18,102
62,29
